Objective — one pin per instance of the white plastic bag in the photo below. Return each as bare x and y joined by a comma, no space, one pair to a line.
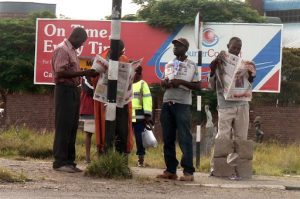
148,137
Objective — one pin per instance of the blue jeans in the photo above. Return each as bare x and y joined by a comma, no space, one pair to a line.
177,117
138,128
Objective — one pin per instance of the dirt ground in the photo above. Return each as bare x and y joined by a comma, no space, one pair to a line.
47,183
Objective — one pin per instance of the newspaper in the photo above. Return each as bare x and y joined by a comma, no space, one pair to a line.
176,69
235,75
126,74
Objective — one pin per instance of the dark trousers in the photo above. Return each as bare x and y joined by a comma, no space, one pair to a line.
138,128
177,117
119,135
67,102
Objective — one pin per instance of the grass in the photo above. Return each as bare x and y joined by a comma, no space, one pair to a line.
154,157
8,176
269,158
272,158
25,143
276,159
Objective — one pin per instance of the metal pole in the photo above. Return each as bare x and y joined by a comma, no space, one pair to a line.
198,134
198,36
110,123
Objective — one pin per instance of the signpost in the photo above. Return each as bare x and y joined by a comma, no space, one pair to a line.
198,38
110,123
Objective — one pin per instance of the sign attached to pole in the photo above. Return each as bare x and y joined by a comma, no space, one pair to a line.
198,31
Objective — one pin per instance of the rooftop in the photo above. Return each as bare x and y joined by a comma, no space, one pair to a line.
275,5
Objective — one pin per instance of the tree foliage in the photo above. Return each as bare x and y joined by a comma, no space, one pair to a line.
168,14
290,85
17,51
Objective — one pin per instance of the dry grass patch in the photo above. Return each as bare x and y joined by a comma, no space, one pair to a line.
277,159
9,176
269,158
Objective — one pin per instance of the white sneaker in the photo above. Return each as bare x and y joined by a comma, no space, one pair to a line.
235,178
67,169
140,164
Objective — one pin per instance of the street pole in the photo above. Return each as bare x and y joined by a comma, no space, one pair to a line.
198,38
110,123
198,134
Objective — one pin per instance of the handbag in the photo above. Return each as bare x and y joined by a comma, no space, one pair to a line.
148,138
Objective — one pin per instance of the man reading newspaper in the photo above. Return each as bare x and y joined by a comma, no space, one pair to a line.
231,77
125,79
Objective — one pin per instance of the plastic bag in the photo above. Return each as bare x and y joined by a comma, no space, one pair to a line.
148,137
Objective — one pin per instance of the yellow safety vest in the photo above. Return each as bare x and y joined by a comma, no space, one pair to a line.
142,101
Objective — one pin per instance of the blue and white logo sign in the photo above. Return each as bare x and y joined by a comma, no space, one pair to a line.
264,50
210,38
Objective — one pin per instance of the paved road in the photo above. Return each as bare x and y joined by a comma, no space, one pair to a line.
185,193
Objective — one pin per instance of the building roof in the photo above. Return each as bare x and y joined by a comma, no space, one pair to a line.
26,7
275,5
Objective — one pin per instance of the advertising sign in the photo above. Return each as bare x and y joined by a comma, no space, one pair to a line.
141,41
261,44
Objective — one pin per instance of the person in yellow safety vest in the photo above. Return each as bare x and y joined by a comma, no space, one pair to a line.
141,112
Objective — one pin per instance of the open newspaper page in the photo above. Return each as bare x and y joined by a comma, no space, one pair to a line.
235,79
180,70
126,74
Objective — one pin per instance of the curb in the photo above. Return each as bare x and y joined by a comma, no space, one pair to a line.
292,188
244,186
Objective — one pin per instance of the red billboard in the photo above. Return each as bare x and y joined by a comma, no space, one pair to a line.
140,41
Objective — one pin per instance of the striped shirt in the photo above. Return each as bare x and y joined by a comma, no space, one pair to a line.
65,59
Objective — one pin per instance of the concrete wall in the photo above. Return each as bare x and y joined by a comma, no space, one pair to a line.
32,110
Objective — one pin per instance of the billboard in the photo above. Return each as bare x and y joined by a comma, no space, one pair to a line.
261,44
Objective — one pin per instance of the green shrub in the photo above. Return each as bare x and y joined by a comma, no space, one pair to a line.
110,165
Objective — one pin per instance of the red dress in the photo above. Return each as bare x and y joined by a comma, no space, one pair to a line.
86,103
